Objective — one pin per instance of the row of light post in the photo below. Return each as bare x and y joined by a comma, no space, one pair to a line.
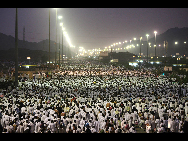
64,33
147,35
16,43
61,24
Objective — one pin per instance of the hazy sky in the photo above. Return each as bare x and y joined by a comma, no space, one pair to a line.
93,27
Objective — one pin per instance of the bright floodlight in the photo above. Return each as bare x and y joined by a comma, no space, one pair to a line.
155,32
60,17
147,35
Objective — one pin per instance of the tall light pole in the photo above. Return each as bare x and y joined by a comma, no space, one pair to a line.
16,49
49,39
59,46
147,46
140,45
149,49
62,45
155,32
61,24
56,38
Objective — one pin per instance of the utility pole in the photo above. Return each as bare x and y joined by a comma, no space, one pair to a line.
140,45
62,48
155,32
24,37
56,40
155,47
59,49
49,40
111,54
16,50
165,46
147,46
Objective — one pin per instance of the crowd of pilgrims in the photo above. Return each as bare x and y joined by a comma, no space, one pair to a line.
95,99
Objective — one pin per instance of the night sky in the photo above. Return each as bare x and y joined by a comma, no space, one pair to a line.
93,27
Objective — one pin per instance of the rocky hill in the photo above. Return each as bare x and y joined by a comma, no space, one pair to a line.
172,35
37,51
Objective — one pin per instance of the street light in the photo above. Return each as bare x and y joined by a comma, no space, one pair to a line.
60,17
178,59
185,47
16,49
61,24
63,30
147,46
49,40
56,38
155,32
28,58
140,45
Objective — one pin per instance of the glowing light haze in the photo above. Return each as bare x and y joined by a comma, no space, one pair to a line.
93,27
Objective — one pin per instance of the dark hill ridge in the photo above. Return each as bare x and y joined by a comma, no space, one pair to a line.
171,35
7,42
38,51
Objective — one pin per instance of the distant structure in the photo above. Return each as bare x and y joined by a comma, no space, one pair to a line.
24,37
119,57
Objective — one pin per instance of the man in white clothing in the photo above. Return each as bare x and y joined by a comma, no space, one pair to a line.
96,124
173,126
52,126
123,123
32,126
20,128
93,129
37,126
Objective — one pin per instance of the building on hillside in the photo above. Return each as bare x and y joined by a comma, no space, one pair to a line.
155,62
186,69
134,64
120,57
178,65
168,68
